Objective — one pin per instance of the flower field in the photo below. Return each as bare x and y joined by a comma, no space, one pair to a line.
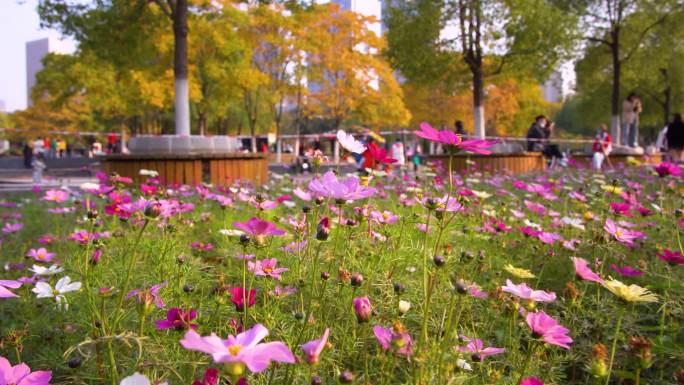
396,278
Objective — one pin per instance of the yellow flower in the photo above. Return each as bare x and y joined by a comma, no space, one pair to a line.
631,293
632,161
588,216
482,194
612,189
518,272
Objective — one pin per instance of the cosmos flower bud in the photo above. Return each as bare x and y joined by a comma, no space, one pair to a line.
346,377
244,239
404,307
399,288
460,287
325,275
356,279
153,210
316,380
323,229
438,260
319,201
598,366
362,308
640,348
306,209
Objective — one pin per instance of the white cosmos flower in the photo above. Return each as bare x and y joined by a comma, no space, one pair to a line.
574,222
63,286
138,379
463,364
231,232
151,173
531,224
349,143
482,194
45,271
289,204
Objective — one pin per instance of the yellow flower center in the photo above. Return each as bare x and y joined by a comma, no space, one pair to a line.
267,270
234,350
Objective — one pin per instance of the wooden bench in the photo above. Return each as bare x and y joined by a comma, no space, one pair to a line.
521,163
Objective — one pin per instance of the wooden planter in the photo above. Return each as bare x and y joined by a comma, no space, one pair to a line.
192,169
584,160
495,163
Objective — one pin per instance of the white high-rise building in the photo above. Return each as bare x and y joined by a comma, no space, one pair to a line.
560,84
366,8
35,52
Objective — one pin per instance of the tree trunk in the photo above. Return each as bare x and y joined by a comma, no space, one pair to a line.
478,102
201,122
616,128
180,68
666,105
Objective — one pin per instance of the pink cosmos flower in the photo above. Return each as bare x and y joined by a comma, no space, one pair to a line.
5,285
362,308
454,141
584,272
621,234
531,381
40,255
259,228
479,352
313,349
666,168
241,350
237,297
266,268
475,291
10,228
384,217
177,319
301,194
671,257
379,154
626,271
21,374
348,189
389,339
549,238
201,246
262,204
535,207
477,146
621,209
148,296
548,329
525,292
56,195
280,292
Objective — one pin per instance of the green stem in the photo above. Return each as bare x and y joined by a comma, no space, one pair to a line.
615,340
127,276
525,364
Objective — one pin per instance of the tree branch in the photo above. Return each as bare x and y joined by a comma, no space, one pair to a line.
164,7
642,35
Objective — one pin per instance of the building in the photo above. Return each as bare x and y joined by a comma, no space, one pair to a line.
560,84
366,8
3,106
35,52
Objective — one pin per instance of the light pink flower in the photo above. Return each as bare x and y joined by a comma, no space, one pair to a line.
266,268
41,255
548,329
313,349
476,347
584,272
525,292
5,285
21,374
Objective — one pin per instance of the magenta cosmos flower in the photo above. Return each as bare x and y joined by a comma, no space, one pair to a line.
10,228
479,352
394,338
266,268
666,168
313,349
21,374
449,138
40,255
525,292
5,285
362,308
178,319
621,234
531,381
548,329
243,350
584,272
626,271
238,296
348,189
259,229
671,257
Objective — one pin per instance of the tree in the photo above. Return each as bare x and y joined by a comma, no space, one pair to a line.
608,22
493,35
348,79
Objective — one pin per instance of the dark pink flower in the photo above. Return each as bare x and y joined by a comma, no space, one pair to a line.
10,228
671,257
626,271
531,381
211,377
259,228
548,329
362,308
666,168
237,297
621,209
178,319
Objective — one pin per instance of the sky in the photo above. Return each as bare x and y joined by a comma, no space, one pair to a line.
19,23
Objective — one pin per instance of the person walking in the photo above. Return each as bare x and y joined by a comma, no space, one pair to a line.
398,153
28,154
675,139
601,148
631,108
38,165
459,128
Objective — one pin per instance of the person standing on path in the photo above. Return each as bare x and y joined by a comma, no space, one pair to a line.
675,139
631,108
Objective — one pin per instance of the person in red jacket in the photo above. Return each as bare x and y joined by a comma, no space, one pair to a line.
602,147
